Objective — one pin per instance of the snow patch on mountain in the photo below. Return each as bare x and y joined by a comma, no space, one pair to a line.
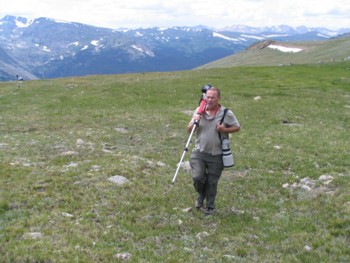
215,34
323,35
143,50
285,49
275,35
21,24
61,21
137,48
46,49
253,37
76,43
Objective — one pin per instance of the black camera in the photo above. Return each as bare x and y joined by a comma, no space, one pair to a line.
206,87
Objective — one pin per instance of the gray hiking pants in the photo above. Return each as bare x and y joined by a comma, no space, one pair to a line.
206,171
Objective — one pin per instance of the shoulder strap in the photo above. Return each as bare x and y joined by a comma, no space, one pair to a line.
223,116
222,120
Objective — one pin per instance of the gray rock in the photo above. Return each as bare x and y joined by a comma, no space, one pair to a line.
123,256
34,235
118,179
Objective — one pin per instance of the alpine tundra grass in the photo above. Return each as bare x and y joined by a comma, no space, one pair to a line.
286,200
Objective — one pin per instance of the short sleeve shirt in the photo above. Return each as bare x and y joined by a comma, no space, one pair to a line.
207,138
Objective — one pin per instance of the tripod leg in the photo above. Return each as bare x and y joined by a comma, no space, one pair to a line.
182,157
184,153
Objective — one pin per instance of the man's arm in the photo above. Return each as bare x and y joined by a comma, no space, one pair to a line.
223,129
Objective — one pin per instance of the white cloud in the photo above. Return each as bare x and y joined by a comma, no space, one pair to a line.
139,13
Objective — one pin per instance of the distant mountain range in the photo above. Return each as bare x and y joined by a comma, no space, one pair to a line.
47,48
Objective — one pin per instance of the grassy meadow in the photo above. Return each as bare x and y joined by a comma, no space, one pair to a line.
286,200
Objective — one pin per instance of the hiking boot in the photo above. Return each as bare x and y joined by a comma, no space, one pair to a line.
199,202
208,211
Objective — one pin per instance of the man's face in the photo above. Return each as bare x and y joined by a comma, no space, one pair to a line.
212,99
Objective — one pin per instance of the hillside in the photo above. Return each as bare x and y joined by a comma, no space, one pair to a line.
272,53
62,141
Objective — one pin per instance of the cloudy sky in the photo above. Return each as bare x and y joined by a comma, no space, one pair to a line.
333,14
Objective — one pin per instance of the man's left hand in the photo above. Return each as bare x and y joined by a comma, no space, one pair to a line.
220,127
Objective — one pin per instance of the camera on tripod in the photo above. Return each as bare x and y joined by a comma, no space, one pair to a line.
203,101
206,87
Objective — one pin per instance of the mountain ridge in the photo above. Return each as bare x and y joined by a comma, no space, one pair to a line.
49,48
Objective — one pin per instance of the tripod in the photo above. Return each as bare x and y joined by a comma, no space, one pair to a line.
201,110
196,123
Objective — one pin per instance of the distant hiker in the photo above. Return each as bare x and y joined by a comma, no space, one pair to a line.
206,158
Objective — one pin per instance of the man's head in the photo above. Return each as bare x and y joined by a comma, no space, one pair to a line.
212,97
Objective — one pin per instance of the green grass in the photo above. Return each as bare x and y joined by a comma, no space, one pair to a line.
299,128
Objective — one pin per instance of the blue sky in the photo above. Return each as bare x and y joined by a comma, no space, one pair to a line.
333,14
